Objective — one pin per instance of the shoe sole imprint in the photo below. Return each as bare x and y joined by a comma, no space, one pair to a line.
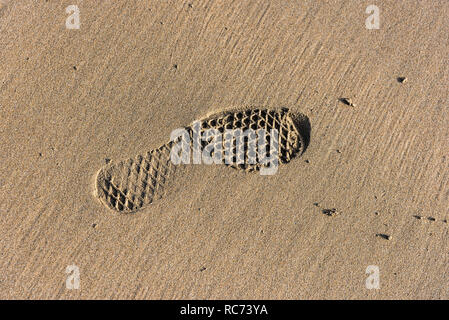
132,184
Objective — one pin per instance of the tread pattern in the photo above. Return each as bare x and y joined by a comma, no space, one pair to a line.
290,141
131,184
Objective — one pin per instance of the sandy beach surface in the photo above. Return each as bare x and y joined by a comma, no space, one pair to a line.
73,99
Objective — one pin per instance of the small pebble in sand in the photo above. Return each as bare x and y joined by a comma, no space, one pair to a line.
376,213
402,79
94,225
384,236
330,212
348,102
306,161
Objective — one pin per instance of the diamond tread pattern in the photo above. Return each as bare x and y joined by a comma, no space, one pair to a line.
131,184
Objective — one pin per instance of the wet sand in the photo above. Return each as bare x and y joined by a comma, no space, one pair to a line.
72,99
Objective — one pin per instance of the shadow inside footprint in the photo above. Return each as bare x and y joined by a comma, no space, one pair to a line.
302,123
